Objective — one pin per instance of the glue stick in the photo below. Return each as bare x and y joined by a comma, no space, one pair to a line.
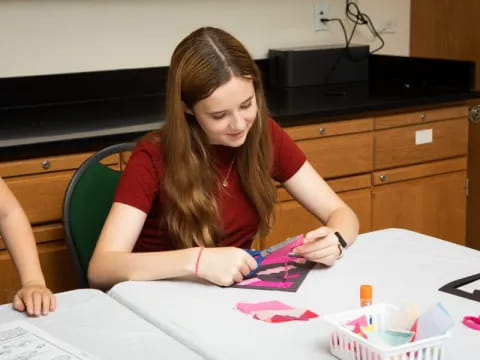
366,295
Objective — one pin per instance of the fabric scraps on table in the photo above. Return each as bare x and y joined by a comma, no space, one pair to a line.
275,311
435,321
279,271
356,325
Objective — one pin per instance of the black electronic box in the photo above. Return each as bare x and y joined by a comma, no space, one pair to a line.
310,66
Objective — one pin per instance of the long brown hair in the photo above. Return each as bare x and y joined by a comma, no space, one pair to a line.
203,61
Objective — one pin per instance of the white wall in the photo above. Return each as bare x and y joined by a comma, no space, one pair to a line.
53,36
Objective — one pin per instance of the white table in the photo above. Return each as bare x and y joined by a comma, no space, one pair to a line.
93,322
403,266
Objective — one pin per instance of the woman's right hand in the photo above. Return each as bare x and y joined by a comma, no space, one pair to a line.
225,265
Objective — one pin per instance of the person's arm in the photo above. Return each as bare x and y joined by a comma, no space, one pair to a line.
113,260
310,190
34,297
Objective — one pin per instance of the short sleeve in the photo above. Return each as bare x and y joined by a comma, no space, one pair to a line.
139,184
288,157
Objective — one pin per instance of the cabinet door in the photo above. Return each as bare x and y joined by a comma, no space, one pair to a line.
434,205
292,219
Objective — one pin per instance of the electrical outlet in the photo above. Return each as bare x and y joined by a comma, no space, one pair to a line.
321,11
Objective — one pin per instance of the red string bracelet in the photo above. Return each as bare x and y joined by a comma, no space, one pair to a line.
198,260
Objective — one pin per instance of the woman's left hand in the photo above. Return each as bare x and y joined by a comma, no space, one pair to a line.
320,246
34,299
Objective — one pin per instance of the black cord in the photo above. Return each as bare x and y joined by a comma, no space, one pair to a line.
358,18
347,42
347,39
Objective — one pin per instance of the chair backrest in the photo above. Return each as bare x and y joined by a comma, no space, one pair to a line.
88,199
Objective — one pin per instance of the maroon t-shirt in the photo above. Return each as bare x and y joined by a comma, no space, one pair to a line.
142,180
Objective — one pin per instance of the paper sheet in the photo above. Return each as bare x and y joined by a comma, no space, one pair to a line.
22,340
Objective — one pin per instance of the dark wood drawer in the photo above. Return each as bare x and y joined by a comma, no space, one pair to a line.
340,155
420,117
420,143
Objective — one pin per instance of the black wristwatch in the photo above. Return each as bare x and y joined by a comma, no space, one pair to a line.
342,244
341,240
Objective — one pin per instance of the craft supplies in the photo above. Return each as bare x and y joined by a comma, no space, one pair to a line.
276,269
473,322
435,321
275,311
259,255
366,295
406,317
353,338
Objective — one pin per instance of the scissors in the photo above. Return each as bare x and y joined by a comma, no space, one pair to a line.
473,322
259,255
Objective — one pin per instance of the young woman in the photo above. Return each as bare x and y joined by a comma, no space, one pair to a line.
34,297
199,190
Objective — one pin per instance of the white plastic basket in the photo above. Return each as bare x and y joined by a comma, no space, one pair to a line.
346,345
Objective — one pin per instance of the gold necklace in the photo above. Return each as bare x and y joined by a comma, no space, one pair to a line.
225,179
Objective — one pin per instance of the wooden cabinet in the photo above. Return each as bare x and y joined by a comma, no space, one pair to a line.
420,172
404,170
430,22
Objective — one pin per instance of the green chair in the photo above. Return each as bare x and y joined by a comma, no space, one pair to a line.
88,199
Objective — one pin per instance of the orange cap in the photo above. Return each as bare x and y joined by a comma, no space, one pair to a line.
366,291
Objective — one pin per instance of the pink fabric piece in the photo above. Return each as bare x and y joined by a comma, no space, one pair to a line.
249,281
358,323
281,255
275,270
265,315
272,284
282,318
261,306
307,315
275,311
293,276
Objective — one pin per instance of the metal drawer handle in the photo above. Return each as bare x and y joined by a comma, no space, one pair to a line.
475,114
323,131
46,164
383,178
423,116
